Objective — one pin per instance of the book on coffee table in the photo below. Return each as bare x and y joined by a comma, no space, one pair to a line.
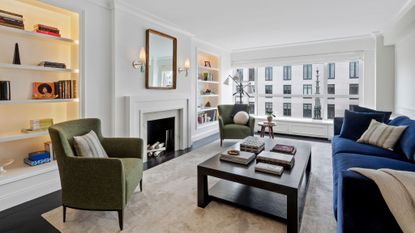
286,149
252,144
285,160
269,168
243,158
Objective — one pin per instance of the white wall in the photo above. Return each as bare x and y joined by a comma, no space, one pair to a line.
405,76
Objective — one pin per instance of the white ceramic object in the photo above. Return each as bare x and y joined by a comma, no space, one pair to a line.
4,164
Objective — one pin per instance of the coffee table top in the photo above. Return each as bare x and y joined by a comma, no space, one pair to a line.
290,178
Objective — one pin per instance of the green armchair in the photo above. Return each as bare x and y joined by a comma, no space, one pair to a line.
103,184
229,130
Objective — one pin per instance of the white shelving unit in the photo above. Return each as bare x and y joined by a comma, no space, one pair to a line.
22,182
208,89
36,68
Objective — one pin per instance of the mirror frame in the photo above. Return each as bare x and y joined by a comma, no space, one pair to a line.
174,40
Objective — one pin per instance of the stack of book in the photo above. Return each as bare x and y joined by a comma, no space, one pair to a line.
269,168
252,144
242,158
10,19
5,90
48,30
66,89
286,149
285,160
37,158
41,124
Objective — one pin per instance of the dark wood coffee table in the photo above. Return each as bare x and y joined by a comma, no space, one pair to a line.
281,197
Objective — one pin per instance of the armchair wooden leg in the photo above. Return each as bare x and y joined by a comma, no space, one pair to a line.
121,218
64,213
141,185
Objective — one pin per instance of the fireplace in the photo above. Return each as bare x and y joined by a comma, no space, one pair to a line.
160,136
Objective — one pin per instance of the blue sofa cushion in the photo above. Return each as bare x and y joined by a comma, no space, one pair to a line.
387,115
356,123
344,161
406,143
344,145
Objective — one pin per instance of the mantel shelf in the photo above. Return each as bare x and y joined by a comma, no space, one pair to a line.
20,136
35,34
36,68
36,101
208,68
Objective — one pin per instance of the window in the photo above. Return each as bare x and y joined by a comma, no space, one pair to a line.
332,70
251,74
268,107
268,89
287,109
354,69
286,73
307,89
353,89
331,89
331,111
287,89
240,73
307,72
251,107
307,110
268,73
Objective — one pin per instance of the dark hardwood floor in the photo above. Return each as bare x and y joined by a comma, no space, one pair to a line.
26,218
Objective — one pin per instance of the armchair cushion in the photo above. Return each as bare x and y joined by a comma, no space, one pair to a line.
235,131
88,145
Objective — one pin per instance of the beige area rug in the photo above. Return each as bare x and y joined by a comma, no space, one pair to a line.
168,203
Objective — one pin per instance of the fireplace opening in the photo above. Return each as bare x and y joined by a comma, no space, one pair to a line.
160,137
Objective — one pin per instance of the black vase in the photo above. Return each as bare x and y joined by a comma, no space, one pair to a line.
16,57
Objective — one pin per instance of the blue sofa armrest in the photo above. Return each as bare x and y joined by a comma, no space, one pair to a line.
337,125
361,207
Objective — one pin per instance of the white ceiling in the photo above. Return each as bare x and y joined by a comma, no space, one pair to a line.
240,24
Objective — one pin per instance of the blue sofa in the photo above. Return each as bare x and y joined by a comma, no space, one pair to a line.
357,201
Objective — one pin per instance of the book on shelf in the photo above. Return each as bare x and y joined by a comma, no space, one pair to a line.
46,28
285,160
5,90
37,162
38,155
10,19
269,168
286,149
252,144
48,33
243,158
52,64
66,89
41,124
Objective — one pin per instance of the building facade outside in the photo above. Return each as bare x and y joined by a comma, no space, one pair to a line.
289,90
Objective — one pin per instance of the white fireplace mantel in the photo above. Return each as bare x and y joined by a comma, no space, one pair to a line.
138,106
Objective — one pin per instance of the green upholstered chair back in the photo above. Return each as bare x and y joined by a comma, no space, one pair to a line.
225,111
62,135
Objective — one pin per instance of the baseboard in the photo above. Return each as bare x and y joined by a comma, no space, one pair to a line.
18,192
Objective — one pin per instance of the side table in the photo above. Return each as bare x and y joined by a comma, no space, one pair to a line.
270,126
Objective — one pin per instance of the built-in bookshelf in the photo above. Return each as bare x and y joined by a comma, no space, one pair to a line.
208,88
17,112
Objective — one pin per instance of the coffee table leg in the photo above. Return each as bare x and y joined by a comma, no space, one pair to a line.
202,190
292,213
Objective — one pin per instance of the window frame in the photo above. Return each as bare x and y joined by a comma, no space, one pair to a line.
268,73
286,109
268,107
268,85
308,109
290,89
328,111
286,73
308,72
332,70
350,88
328,88
309,87
354,68
253,74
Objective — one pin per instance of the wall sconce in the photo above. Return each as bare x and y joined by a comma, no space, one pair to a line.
186,67
141,63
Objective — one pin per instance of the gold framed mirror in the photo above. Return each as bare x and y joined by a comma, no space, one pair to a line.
161,60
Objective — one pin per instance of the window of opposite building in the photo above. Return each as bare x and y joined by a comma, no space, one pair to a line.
332,70
307,89
307,71
268,73
331,89
240,73
268,89
287,73
251,74
287,109
287,89
354,69
353,89
307,110
331,111
268,107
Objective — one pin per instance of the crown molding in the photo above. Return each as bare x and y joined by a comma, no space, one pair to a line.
198,40
108,4
305,43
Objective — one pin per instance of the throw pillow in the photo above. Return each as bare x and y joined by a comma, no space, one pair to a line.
237,108
382,135
241,118
358,108
406,143
89,145
356,123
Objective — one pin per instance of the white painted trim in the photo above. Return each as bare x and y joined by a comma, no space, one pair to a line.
410,112
204,42
305,43
205,133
